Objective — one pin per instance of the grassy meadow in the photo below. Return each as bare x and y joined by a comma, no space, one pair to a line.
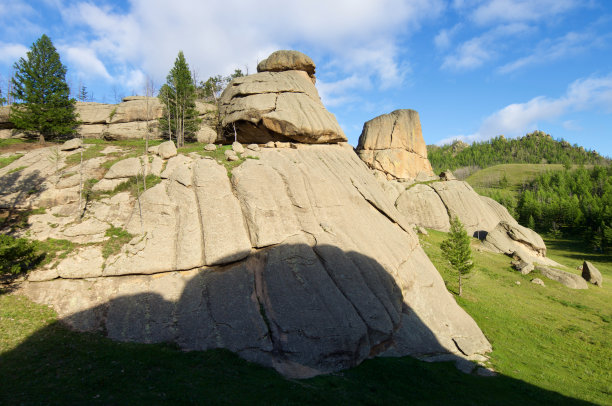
551,346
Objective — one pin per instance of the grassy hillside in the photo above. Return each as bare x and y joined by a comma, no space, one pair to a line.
504,182
533,148
551,346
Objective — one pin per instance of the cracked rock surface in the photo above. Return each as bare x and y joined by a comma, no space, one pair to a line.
298,262
393,144
278,106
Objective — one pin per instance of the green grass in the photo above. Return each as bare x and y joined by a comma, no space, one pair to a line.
134,185
517,175
551,346
553,337
54,249
88,153
118,238
8,160
13,141
20,168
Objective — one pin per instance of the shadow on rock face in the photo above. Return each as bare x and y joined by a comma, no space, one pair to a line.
302,310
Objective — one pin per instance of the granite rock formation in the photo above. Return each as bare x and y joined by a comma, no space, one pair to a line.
280,103
393,144
298,261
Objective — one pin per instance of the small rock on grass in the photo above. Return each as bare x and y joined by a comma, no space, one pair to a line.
238,148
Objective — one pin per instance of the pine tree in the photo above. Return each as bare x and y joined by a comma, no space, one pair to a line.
178,96
531,222
83,95
42,105
456,249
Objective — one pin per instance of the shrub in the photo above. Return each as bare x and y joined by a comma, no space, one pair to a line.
17,255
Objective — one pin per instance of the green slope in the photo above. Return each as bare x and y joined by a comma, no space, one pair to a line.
551,346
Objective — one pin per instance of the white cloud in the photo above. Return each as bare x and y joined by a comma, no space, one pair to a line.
548,51
506,11
594,93
339,92
478,50
508,21
86,61
218,36
10,53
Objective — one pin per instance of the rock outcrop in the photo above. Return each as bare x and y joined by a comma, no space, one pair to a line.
133,118
284,60
431,205
570,280
591,274
393,144
280,103
298,261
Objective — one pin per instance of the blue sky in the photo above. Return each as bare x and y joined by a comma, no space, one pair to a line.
473,69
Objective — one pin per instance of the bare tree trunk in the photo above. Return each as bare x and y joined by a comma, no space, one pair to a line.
81,177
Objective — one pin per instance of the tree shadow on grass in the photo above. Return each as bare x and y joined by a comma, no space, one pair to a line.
568,246
218,307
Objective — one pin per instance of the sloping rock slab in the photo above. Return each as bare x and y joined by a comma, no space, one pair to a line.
422,206
299,263
565,278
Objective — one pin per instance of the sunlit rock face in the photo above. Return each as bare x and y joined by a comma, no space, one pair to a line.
393,144
298,261
279,103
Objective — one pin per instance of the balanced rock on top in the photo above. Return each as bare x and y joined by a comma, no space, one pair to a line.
284,60
280,103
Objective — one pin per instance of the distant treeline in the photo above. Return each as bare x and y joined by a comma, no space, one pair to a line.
577,202
534,148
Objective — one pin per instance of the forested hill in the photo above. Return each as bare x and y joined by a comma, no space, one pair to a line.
534,148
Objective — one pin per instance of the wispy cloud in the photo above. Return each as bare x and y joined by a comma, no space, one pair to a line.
500,23
570,44
478,50
593,93
11,52
353,37
506,11
86,61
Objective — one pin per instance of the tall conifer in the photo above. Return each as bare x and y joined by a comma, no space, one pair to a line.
178,96
42,105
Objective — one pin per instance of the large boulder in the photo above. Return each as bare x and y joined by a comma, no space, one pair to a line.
136,108
5,121
278,106
570,280
591,274
298,262
285,60
94,113
393,144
